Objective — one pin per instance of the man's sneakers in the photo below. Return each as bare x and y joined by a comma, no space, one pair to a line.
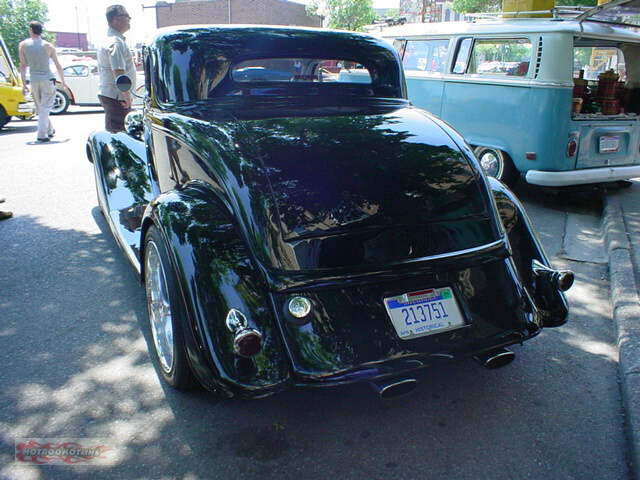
47,138
5,215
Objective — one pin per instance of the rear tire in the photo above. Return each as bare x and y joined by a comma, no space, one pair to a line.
61,103
496,163
166,313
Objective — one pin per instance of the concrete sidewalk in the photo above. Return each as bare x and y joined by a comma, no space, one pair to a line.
621,224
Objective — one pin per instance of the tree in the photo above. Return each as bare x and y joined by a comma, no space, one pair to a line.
346,14
15,16
473,6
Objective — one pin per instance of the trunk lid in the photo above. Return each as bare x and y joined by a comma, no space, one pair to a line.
350,190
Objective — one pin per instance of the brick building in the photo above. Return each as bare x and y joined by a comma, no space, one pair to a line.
265,12
71,40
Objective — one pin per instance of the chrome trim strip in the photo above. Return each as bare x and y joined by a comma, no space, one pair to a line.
582,177
287,281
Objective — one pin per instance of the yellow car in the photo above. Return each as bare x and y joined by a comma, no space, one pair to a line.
13,103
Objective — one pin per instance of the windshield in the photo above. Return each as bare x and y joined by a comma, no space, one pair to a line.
627,13
7,70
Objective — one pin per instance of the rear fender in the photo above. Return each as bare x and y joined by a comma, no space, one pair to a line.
551,303
215,274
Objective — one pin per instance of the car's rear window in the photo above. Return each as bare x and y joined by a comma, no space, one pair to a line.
305,70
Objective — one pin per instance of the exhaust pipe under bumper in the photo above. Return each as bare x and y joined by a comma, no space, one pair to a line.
495,358
394,388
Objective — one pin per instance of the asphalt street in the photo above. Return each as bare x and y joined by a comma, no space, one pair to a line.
75,362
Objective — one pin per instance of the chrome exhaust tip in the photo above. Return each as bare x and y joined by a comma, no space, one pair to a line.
560,279
495,358
394,388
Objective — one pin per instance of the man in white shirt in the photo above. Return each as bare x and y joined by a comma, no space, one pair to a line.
114,59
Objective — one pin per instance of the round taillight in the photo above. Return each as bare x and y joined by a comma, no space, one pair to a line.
247,342
299,307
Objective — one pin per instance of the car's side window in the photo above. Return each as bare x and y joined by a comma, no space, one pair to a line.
400,45
462,55
501,57
76,71
426,55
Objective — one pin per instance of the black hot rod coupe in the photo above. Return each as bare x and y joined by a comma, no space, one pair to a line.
296,222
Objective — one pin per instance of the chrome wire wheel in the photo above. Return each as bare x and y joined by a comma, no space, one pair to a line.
491,161
159,307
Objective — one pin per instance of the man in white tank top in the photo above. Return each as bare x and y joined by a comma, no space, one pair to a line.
35,53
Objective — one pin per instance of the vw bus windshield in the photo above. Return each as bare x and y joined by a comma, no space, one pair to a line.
621,12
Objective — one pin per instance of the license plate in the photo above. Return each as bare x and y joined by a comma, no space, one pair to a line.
609,144
424,312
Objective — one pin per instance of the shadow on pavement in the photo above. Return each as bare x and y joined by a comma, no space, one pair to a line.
50,142
83,111
73,310
18,128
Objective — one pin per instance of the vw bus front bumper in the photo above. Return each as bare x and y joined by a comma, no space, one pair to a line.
581,177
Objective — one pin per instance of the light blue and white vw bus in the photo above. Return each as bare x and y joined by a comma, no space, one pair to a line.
556,100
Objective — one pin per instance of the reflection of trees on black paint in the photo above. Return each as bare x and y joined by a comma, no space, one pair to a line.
223,266
211,50
132,170
328,174
333,171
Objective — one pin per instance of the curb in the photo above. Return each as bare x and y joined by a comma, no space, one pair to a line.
625,307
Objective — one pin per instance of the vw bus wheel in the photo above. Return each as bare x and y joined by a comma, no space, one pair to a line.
60,103
166,313
496,163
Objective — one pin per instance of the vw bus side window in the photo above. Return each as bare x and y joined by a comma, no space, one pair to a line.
593,61
426,55
462,56
503,56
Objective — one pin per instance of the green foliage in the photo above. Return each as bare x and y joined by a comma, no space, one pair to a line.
345,14
473,6
15,16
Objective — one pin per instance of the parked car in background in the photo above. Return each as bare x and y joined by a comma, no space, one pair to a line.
554,100
83,80
293,227
13,103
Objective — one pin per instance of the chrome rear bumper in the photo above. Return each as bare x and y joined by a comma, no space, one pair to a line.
581,177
